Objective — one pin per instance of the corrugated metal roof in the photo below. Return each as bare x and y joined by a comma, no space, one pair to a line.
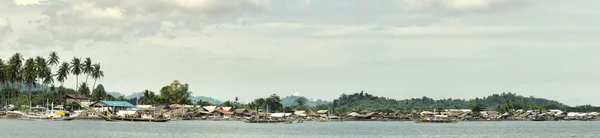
116,103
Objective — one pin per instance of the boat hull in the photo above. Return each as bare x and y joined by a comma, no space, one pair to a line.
270,121
436,121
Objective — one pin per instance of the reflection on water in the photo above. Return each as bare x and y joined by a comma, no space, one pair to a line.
87,129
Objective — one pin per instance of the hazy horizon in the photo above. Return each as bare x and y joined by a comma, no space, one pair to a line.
399,49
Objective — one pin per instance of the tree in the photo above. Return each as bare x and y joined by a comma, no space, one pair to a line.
204,103
76,70
53,60
14,68
84,89
43,70
99,93
301,101
97,73
176,93
3,71
30,76
148,97
227,104
273,103
477,108
63,73
87,68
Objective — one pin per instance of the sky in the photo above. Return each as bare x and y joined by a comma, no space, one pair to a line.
321,48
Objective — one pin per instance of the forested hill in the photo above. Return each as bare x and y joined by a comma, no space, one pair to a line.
365,101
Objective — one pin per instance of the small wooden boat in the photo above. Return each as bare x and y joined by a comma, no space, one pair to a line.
436,119
269,121
129,119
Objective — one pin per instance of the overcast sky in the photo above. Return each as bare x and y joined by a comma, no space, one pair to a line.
321,48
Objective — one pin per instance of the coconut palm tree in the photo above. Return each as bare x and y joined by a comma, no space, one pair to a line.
3,69
97,73
30,76
14,68
76,70
87,68
84,89
42,68
53,59
63,73
147,97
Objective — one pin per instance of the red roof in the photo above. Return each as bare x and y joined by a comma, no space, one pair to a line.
224,111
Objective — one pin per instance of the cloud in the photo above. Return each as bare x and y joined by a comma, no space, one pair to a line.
453,4
27,2
114,20
5,26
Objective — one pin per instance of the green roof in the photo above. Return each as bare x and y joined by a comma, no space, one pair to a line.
114,103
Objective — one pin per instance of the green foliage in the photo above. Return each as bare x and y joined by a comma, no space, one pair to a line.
274,103
148,98
227,104
584,108
99,94
367,102
176,93
203,103
84,89
301,101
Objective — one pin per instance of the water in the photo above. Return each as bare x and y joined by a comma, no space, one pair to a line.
187,129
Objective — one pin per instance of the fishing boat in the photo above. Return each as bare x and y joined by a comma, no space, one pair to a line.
435,118
256,119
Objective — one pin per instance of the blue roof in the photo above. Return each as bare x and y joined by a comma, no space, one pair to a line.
116,103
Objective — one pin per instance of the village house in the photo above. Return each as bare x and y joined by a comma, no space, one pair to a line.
113,107
242,113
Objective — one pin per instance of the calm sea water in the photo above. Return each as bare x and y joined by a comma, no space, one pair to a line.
188,129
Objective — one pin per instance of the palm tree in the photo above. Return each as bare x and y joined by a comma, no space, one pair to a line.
42,68
84,89
53,59
30,76
87,68
147,97
63,73
13,72
3,69
76,70
14,68
97,73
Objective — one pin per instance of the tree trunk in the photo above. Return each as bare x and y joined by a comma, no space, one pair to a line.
86,79
76,82
94,86
30,99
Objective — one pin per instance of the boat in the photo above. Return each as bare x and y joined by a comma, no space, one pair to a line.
434,118
289,121
267,120
437,119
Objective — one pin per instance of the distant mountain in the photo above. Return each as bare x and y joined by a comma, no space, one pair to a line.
291,101
115,94
134,95
205,98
